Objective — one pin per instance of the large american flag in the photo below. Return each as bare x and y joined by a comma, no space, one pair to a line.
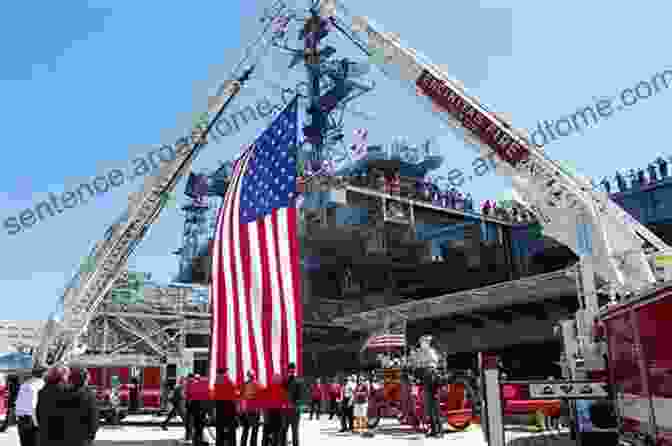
256,300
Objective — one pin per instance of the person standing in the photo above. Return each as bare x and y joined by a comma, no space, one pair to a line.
346,405
134,395
428,360
189,410
49,414
177,401
273,415
85,418
316,397
292,415
334,398
226,409
361,405
198,426
66,415
26,403
196,417
12,394
249,411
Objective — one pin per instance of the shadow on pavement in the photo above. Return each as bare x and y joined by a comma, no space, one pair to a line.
390,431
137,442
545,439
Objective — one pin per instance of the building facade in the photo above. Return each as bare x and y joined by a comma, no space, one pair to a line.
20,334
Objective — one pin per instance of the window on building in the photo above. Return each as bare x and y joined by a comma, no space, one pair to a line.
194,340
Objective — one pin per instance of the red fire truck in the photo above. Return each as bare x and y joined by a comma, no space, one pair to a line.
640,366
148,389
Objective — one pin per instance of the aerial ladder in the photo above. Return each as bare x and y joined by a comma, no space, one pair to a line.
84,295
610,243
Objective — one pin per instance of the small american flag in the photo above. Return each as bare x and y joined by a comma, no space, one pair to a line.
388,338
257,312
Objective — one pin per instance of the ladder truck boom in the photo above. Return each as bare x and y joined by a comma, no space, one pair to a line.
110,256
558,198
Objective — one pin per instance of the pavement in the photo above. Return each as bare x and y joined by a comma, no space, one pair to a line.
322,433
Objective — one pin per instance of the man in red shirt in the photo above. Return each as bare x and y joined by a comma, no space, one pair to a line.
226,411
316,397
334,398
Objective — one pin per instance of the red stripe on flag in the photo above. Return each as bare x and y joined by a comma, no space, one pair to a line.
249,290
295,254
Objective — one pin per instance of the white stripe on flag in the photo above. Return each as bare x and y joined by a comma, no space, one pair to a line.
277,326
287,282
244,336
257,290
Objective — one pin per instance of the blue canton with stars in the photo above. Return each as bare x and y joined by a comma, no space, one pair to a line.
269,181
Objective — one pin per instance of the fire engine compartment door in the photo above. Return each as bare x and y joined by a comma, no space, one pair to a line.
655,329
628,376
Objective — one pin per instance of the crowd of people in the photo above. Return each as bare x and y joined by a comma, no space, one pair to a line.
54,408
347,400
631,179
244,409
57,407
508,211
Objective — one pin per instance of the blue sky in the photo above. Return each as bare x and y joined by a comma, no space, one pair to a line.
87,87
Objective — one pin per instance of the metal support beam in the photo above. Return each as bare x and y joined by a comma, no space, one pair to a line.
498,295
119,347
123,323
106,333
174,316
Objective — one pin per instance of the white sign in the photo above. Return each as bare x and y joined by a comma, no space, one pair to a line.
568,389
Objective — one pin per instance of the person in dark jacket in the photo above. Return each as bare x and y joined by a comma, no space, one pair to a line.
198,414
430,386
177,401
134,395
66,414
292,416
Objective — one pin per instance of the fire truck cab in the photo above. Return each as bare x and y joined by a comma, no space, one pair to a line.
640,366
